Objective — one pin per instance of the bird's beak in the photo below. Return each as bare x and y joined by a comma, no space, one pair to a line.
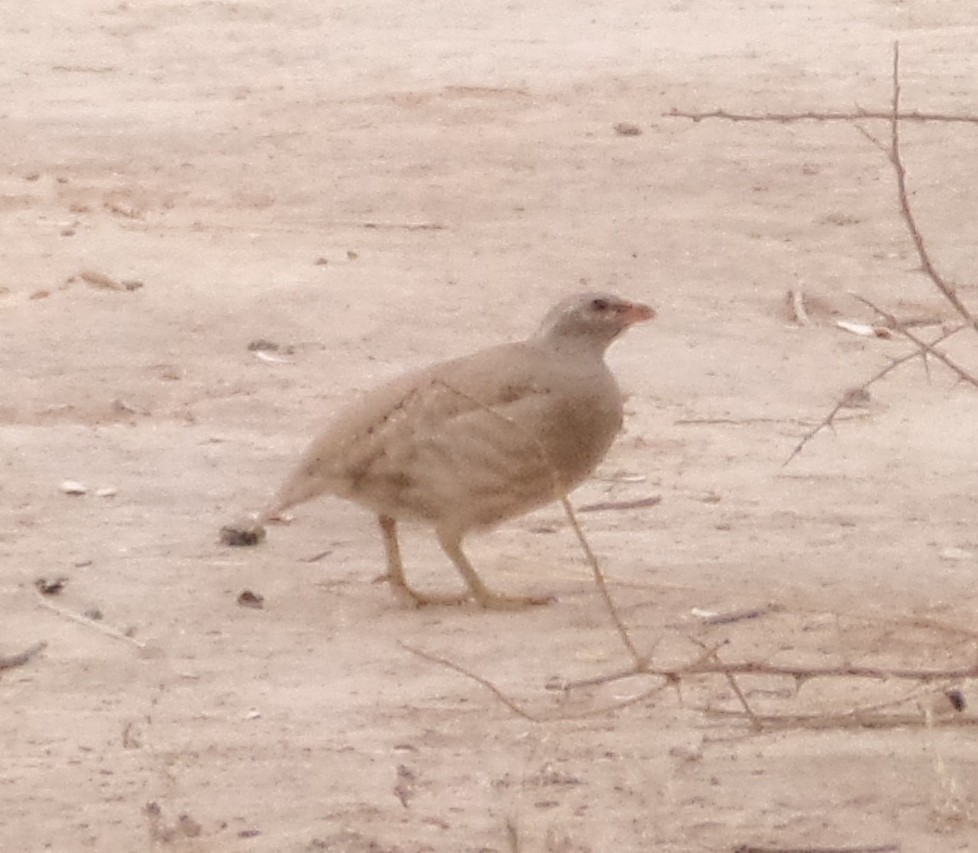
636,312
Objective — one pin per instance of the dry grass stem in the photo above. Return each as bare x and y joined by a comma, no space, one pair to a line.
101,627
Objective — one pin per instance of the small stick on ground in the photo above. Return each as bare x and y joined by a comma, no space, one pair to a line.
108,630
19,659
796,302
495,691
638,503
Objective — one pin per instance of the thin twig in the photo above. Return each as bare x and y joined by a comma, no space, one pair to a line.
804,673
712,652
518,709
637,503
485,682
787,118
620,627
927,264
796,302
19,659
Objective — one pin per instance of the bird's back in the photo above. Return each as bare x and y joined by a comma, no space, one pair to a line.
468,442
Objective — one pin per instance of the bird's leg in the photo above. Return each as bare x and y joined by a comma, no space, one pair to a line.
395,571
451,543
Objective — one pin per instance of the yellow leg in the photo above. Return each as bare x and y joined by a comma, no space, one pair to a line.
451,544
395,571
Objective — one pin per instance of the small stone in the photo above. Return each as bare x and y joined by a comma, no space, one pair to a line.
262,345
254,600
73,487
50,586
242,536
626,128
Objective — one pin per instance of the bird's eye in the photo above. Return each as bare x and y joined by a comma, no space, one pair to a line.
600,304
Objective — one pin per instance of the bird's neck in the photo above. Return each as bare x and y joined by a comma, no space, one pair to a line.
573,346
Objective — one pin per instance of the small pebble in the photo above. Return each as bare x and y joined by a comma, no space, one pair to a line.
626,128
73,487
50,586
262,345
242,536
254,600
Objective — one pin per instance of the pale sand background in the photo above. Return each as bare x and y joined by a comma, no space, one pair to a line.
215,151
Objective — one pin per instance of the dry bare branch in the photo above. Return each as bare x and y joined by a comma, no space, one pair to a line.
853,115
516,707
485,682
709,666
851,720
945,287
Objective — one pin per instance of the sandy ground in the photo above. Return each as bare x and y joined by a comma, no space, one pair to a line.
375,186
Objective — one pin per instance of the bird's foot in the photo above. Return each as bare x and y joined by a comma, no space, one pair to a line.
495,601
408,597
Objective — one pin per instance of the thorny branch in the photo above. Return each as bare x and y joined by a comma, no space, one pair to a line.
843,402
896,159
787,118
922,347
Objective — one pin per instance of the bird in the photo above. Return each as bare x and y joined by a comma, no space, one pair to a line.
468,443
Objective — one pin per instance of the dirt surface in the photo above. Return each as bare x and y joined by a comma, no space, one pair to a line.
375,186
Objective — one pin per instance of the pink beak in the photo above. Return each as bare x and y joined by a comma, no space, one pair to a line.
636,312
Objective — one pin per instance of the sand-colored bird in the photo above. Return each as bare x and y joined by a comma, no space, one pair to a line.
465,444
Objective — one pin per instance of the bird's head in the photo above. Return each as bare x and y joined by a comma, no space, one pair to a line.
590,321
